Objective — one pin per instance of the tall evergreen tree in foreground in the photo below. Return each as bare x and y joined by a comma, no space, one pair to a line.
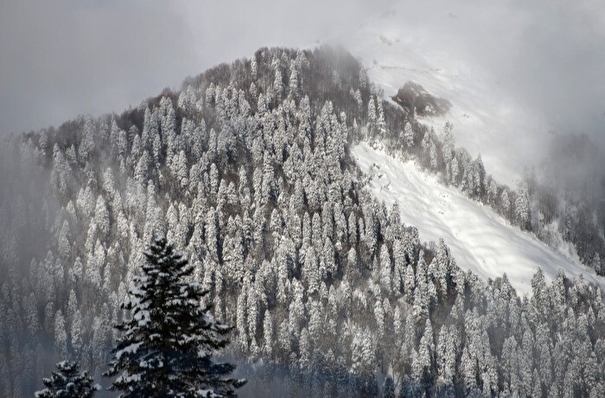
68,382
167,345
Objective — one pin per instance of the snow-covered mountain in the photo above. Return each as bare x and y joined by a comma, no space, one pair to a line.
265,173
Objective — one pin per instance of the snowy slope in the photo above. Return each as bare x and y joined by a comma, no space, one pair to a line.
440,48
480,240
396,47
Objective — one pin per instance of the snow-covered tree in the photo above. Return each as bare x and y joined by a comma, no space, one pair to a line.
68,382
408,135
87,145
167,343
522,205
60,335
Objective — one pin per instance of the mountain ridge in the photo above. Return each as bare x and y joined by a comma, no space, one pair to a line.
249,170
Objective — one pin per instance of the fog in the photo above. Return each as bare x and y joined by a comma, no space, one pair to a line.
548,54
550,57
63,58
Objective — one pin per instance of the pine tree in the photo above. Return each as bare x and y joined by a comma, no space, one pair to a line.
408,135
388,387
522,206
68,382
166,345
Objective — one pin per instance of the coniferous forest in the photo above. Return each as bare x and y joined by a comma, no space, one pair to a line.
247,171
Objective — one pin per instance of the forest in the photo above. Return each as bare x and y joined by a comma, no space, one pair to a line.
247,170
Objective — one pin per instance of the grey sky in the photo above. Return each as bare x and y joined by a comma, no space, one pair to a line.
66,57
62,58
552,55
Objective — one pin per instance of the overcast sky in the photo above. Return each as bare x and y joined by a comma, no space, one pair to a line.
62,58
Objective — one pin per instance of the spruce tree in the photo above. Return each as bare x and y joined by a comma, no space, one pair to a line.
68,382
167,343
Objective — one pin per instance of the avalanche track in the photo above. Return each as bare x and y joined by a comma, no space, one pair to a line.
480,239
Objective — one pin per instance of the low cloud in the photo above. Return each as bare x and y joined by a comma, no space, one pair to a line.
64,58
548,54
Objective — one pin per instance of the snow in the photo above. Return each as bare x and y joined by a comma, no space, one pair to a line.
480,239
487,118
128,378
131,349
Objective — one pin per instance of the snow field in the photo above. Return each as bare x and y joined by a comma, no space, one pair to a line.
480,240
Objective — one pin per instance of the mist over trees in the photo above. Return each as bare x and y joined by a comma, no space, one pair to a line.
248,170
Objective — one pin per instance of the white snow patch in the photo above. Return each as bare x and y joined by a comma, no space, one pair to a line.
131,349
480,239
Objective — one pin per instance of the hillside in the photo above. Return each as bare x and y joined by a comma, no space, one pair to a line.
480,240
250,169
489,117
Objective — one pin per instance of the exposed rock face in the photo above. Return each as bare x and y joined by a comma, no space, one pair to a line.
416,100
